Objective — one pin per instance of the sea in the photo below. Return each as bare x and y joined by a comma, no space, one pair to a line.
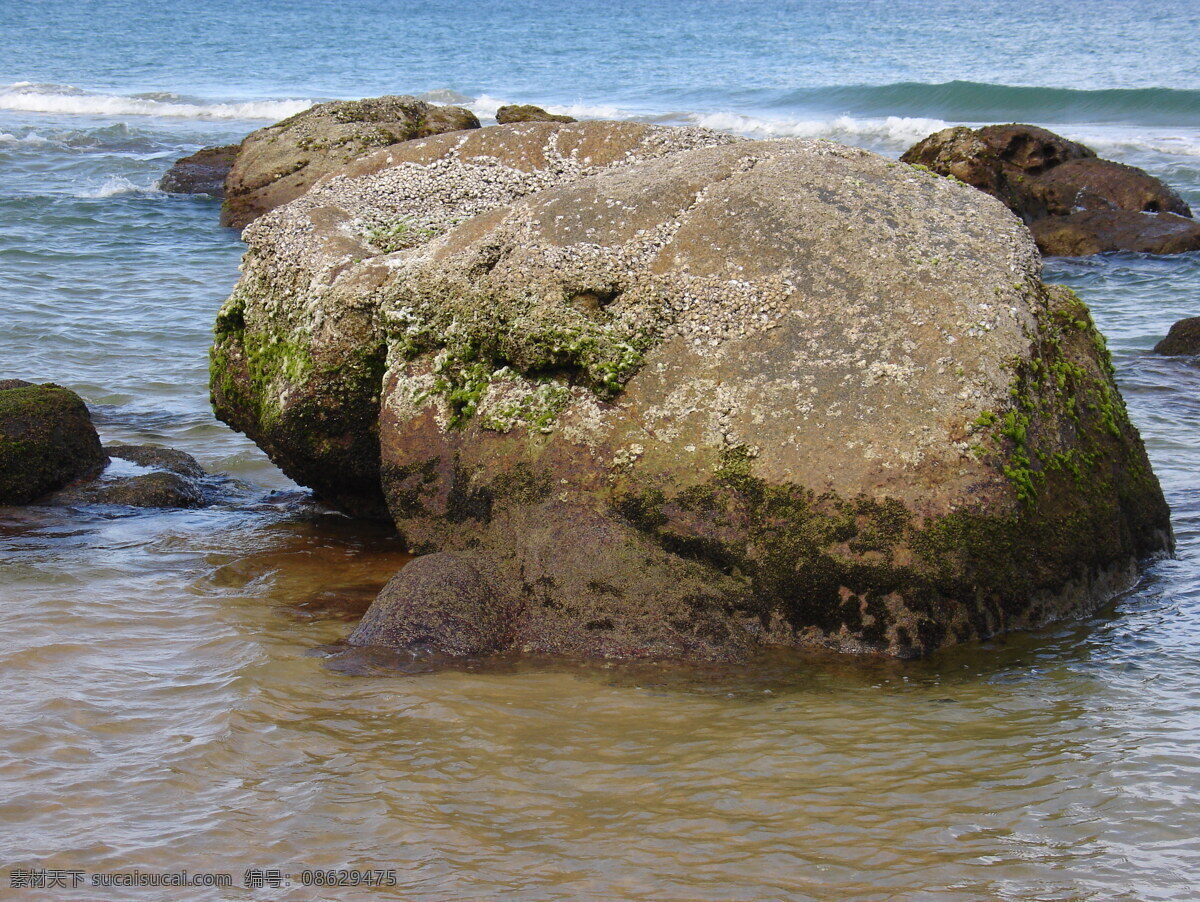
173,705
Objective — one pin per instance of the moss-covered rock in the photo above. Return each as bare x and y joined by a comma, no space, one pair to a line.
527,112
646,399
47,441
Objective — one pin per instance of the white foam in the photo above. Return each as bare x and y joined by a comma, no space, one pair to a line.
1119,141
117,185
22,98
584,111
892,131
120,468
31,139
485,106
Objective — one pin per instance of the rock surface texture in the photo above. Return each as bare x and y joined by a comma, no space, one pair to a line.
47,441
1074,203
690,398
280,162
1183,339
203,172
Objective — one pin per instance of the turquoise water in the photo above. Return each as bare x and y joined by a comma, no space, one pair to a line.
159,705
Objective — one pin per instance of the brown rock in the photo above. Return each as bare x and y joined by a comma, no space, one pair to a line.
526,112
998,159
743,394
279,163
1182,339
1038,174
203,172
1091,184
440,603
1101,231
754,395
160,489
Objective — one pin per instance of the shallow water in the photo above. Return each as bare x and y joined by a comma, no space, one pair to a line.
173,694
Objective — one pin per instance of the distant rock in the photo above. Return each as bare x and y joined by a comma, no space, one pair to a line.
445,95
47,441
527,113
203,172
278,163
1074,203
1182,339
1092,185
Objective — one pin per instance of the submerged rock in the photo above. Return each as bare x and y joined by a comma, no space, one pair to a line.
1182,339
169,459
160,489
280,162
526,112
1074,203
174,479
47,440
299,353
439,602
743,394
203,172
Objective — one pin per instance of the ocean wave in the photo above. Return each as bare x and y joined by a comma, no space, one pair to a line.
967,101
32,97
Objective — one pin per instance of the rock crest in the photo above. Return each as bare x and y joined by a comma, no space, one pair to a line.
278,163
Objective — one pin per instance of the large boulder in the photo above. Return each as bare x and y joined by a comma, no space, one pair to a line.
203,172
47,441
1075,203
280,162
769,393
299,354
745,394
